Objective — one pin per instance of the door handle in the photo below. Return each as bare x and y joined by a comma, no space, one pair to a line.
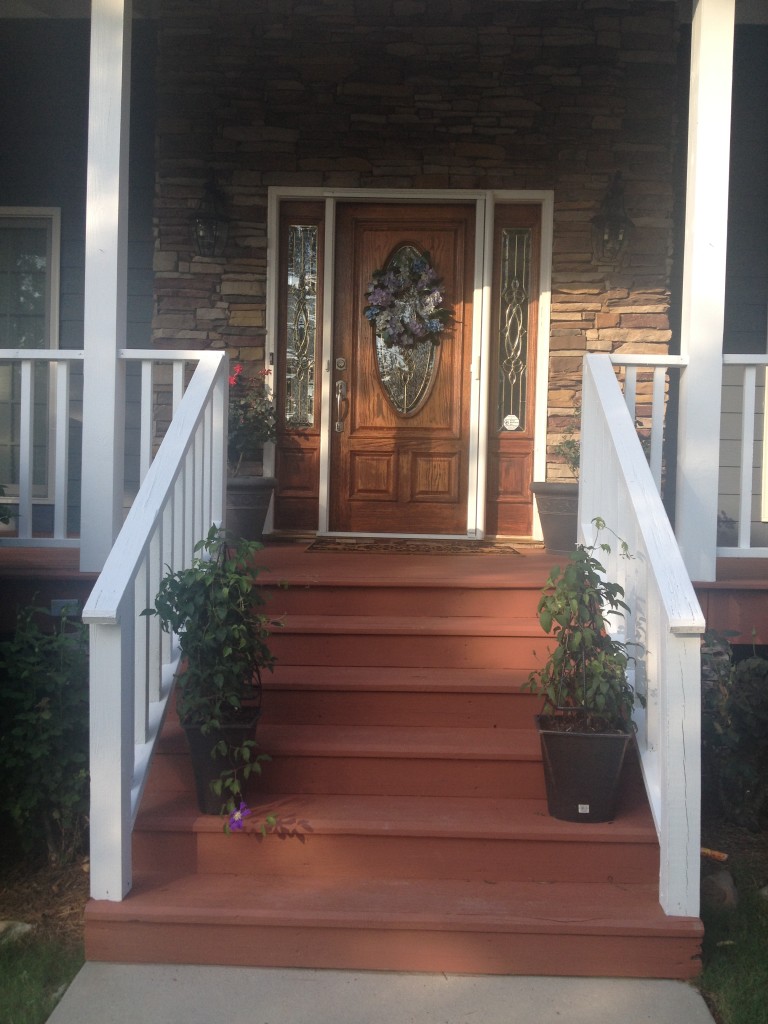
341,397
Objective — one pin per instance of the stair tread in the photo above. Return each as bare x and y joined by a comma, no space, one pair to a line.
288,563
595,908
405,625
454,742
407,678
452,817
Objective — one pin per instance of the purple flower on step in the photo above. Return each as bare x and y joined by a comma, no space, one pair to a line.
236,817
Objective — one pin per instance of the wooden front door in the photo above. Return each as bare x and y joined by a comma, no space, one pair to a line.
400,419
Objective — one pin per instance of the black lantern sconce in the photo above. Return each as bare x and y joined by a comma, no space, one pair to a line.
210,224
611,226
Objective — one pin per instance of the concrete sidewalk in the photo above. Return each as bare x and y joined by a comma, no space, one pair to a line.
154,994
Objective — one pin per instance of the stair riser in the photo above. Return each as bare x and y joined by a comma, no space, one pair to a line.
431,710
410,601
394,949
422,651
350,775
419,857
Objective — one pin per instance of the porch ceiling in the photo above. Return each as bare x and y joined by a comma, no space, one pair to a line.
747,11
64,8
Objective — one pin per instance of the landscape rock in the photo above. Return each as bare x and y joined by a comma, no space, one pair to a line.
719,889
11,931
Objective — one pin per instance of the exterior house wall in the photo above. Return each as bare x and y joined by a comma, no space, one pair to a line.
43,159
746,296
401,94
746,293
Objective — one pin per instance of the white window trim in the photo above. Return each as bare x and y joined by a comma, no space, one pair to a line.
53,214
485,203
52,312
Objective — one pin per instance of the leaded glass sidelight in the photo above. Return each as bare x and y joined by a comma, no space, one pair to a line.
514,298
301,350
406,372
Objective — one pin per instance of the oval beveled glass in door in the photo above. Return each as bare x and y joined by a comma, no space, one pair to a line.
406,372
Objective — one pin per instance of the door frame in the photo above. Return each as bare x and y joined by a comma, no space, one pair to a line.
485,202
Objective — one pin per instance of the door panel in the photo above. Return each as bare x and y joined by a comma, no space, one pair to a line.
401,472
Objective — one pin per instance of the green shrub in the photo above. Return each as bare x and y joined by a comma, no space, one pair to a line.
44,734
735,731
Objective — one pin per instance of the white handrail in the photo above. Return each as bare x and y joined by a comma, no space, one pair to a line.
131,664
666,622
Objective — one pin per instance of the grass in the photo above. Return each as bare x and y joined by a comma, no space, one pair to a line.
34,974
36,969
734,980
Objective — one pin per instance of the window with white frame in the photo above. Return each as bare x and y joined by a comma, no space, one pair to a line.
29,300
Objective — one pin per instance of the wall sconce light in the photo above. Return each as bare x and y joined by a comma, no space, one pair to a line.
611,226
210,224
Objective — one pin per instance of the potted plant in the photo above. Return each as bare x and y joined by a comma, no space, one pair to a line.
252,423
558,501
213,608
586,722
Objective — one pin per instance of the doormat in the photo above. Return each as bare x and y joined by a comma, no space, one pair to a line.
403,546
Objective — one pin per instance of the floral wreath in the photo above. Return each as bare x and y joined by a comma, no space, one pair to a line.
405,301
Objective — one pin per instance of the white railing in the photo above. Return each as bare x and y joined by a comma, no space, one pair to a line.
181,495
153,393
666,623
743,461
657,367
743,498
60,410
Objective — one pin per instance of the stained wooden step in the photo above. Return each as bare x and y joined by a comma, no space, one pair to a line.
484,927
401,598
400,837
405,696
406,779
410,761
428,641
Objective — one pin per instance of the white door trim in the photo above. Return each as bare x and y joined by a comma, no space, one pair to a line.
485,203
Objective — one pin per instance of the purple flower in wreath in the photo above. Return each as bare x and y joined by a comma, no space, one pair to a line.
417,328
381,297
404,302
428,279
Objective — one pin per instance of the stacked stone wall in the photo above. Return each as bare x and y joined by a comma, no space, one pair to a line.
481,94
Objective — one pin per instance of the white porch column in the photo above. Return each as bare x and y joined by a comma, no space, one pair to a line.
706,228
106,263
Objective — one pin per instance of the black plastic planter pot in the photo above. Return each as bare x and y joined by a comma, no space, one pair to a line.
208,769
582,772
